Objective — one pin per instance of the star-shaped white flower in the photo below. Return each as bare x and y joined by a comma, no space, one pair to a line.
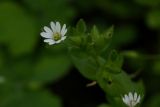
131,100
55,34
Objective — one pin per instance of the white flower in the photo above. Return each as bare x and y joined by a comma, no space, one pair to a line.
55,34
131,100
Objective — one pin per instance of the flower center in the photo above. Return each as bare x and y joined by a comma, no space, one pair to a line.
56,36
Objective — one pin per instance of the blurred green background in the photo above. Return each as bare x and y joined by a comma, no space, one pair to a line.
33,74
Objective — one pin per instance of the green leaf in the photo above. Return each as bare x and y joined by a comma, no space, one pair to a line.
116,85
17,29
109,33
100,42
81,26
94,33
18,71
31,99
84,63
114,62
152,19
56,10
156,67
51,68
1,60
124,35
154,101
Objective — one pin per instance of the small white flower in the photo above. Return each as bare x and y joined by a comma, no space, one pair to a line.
55,34
131,100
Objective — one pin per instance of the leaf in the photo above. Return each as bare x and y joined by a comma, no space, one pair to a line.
1,60
109,33
156,67
152,19
94,33
17,29
31,99
154,101
101,42
51,68
114,62
124,35
56,10
116,85
84,63
81,26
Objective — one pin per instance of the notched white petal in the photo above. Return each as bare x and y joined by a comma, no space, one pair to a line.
130,96
52,42
58,27
53,26
64,32
135,96
63,28
58,41
138,99
63,38
48,40
46,35
47,29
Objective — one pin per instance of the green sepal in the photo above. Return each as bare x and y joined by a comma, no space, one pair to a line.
81,26
114,62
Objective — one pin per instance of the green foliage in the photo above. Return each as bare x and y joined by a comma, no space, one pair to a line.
31,99
116,85
156,67
17,29
58,10
114,62
85,55
107,71
153,18
24,68
27,66
154,101
81,27
125,34
51,68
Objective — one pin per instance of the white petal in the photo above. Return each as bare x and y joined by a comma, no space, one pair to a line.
53,26
58,27
63,29
135,96
58,41
63,32
130,96
47,29
46,35
63,38
138,99
126,99
52,42
48,40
